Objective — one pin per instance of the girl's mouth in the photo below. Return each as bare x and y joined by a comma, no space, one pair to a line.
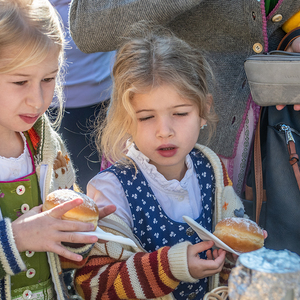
167,151
29,119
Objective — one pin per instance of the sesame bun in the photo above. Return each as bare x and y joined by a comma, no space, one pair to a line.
242,235
85,212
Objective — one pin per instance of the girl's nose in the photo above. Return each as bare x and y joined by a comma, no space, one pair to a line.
35,97
165,129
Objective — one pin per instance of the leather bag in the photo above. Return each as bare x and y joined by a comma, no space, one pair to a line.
273,183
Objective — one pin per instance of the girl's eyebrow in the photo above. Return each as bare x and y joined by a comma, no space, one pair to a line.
176,106
27,75
143,110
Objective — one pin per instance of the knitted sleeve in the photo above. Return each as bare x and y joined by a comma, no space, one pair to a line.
141,276
11,262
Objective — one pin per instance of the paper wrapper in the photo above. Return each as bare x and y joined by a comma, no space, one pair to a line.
265,274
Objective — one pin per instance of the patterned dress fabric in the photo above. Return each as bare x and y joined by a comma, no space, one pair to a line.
154,228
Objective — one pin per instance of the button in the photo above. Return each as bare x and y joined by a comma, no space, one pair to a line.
27,294
20,190
257,47
25,208
277,18
190,231
30,273
29,253
192,296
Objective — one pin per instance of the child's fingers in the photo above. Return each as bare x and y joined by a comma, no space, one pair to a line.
58,211
214,266
67,225
200,247
219,254
106,210
212,255
62,251
77,238
209,255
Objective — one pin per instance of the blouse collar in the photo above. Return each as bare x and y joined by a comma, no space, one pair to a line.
156,178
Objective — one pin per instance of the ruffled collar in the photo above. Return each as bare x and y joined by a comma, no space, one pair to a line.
156,178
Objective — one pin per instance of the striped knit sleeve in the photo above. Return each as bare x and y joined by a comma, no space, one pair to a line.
141,276
11,262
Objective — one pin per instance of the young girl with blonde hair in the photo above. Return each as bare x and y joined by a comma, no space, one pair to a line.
160,102
33,158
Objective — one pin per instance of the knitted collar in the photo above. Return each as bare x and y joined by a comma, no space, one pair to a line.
35,135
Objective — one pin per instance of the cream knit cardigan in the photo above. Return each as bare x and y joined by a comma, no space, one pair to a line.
50,178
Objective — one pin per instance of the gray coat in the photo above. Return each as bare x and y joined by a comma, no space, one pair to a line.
226,30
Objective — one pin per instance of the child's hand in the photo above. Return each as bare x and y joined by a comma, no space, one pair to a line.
44,231
201,268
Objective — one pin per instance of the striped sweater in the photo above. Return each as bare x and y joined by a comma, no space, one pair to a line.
114,271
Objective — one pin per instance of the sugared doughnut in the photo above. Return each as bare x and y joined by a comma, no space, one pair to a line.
85,212
240,234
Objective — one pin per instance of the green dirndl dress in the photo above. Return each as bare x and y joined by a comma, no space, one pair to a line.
17,197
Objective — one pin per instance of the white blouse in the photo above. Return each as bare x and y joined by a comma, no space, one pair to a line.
13,168
177,198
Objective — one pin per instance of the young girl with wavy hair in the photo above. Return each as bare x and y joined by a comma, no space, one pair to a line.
33,158
159,104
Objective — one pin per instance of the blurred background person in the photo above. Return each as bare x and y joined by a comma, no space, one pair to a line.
87,93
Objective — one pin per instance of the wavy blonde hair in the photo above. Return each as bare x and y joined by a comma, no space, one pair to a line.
149,57
30,29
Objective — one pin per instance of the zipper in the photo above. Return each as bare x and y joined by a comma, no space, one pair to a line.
288,132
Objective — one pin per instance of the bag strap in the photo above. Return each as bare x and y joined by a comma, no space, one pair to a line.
258,170
294,158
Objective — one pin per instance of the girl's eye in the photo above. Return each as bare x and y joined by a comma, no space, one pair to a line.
20,82
181,114
145,118
48,79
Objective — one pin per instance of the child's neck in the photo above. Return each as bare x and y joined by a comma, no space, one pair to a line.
171,173
12,144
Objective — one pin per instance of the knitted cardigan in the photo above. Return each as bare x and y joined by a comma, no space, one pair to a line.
114,271
54,171
226,31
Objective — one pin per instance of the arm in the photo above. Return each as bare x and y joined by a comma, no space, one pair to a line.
96,26
11,262
123,274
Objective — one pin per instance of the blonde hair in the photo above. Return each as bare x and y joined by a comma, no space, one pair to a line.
29,30
150,57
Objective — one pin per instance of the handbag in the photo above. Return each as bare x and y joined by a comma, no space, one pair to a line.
272,193
274,77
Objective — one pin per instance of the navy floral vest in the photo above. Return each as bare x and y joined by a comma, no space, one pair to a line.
154,228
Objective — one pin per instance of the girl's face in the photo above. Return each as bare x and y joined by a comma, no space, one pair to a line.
167,129
26,93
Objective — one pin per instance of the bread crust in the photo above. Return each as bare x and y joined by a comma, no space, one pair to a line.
86,212
240,234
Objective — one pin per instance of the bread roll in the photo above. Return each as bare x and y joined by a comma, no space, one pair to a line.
85,212
242,235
